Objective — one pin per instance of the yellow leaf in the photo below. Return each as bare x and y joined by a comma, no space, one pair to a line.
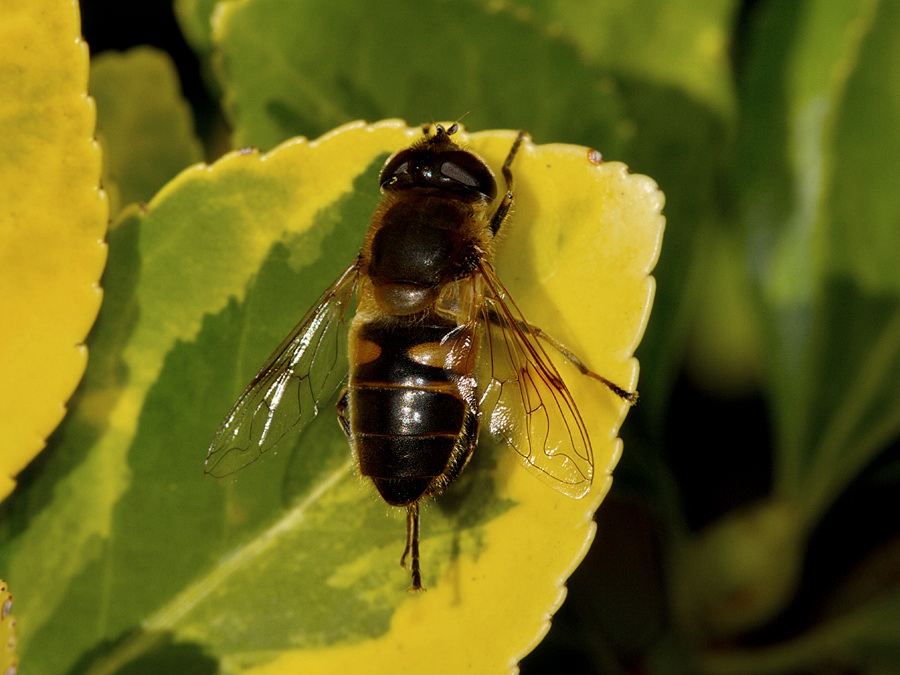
52,222
9,660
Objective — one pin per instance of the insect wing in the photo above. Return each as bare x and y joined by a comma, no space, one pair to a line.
524,401
304,372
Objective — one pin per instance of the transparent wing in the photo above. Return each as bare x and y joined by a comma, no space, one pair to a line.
524,401
305,371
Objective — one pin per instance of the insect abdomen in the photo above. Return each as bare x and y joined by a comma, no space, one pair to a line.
406,415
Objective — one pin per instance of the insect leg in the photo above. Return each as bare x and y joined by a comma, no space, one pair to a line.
341,406
502,210
412,546
497,320
462,453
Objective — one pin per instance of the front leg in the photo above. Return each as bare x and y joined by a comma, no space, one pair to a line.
502,210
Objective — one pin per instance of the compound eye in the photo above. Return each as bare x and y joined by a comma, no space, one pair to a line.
398,166
467,170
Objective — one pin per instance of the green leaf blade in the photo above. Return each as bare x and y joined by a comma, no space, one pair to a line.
144,124
320,65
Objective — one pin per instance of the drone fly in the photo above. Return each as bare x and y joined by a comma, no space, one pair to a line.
436,348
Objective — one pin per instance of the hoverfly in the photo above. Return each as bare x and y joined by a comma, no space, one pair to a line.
437,348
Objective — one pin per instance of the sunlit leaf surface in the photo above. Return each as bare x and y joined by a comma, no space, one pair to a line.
51,225
9,660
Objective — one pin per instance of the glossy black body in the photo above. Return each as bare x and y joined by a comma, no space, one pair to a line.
407,417
423,241
411,428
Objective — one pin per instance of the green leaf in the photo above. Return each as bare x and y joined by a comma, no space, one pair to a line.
296,562
143,123
817,208
682,143
195,19
864,638
824,217
863,208
725,348
676,44
304,67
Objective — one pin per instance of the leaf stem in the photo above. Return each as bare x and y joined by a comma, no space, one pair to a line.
838,458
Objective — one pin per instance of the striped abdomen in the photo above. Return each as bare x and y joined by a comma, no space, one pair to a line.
410,425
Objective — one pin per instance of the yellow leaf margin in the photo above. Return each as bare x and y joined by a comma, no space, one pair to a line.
52,222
